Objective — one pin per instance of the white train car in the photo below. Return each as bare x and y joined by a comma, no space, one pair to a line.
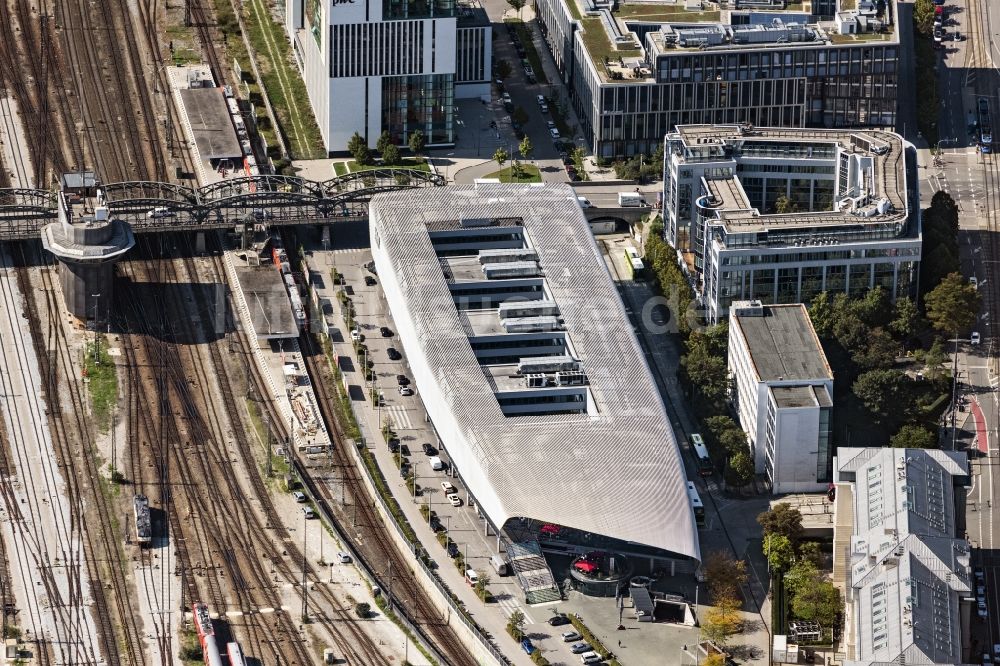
235,654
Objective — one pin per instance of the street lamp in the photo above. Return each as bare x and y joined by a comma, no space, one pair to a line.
97,358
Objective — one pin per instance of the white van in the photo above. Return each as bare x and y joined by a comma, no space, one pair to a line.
630,200
436,463
471,576
584,202
499,563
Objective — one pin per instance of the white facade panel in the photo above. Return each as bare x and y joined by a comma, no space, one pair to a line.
796,440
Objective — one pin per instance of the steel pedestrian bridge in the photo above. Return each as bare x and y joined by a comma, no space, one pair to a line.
273,200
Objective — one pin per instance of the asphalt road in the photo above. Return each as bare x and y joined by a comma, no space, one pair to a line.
966,72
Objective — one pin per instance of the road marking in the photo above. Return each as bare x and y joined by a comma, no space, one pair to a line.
400,417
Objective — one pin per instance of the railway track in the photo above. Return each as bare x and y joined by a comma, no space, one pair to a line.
253,556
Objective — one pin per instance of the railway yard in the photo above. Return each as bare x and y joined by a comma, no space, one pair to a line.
91,575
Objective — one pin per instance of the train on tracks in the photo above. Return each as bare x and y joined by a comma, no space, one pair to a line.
235,654
143,524
206,635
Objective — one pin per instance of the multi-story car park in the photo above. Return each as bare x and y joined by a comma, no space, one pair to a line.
851,225
394,65
636,70
522,353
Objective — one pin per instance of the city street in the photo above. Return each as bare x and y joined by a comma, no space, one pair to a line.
966,72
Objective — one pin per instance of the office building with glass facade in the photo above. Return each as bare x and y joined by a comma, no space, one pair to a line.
636,70
396,65
780,215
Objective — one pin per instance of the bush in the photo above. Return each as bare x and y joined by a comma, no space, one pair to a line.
362,609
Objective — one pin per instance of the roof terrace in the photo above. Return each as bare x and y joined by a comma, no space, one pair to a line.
623,42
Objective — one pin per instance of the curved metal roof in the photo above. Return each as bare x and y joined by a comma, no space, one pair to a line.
614,471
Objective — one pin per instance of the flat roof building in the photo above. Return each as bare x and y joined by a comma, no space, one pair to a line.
394,65
637,69
907,577
548,410
783,394
780,215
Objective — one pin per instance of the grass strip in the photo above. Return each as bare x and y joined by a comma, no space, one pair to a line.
529,174
102,381
285,87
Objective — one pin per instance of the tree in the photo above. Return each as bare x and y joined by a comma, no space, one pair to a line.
822,315
879,352
356,142
725,575
905,318
519,116
779,552
482,580
502,69
783,205
515,625
417,142
881,391
713,659
384,139
500,156
782,519
734,441
525,148
517,5
819,602
802,574
953,305
934,360
391,155
722,621
810,551
913,437
923,17
706,371
740,469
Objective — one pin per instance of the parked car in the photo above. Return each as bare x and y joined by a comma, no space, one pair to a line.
974,338
544,108
453,550
570,636
506,98
938,35
974,282
370,281
454,499
393,353
558,620
299,497
979,573
355,335
981,608
527,646
393,445
405,390
343,557
385,331
309,513
370,267
579,648
429,449
402,380
554,132
448,488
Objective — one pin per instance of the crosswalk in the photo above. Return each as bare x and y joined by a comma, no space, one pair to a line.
508,604
399,416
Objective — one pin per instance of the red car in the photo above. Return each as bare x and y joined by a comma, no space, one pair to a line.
585,566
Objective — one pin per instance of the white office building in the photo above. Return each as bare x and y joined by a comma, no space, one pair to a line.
850,224
783,394
906,575
524,358
396,65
